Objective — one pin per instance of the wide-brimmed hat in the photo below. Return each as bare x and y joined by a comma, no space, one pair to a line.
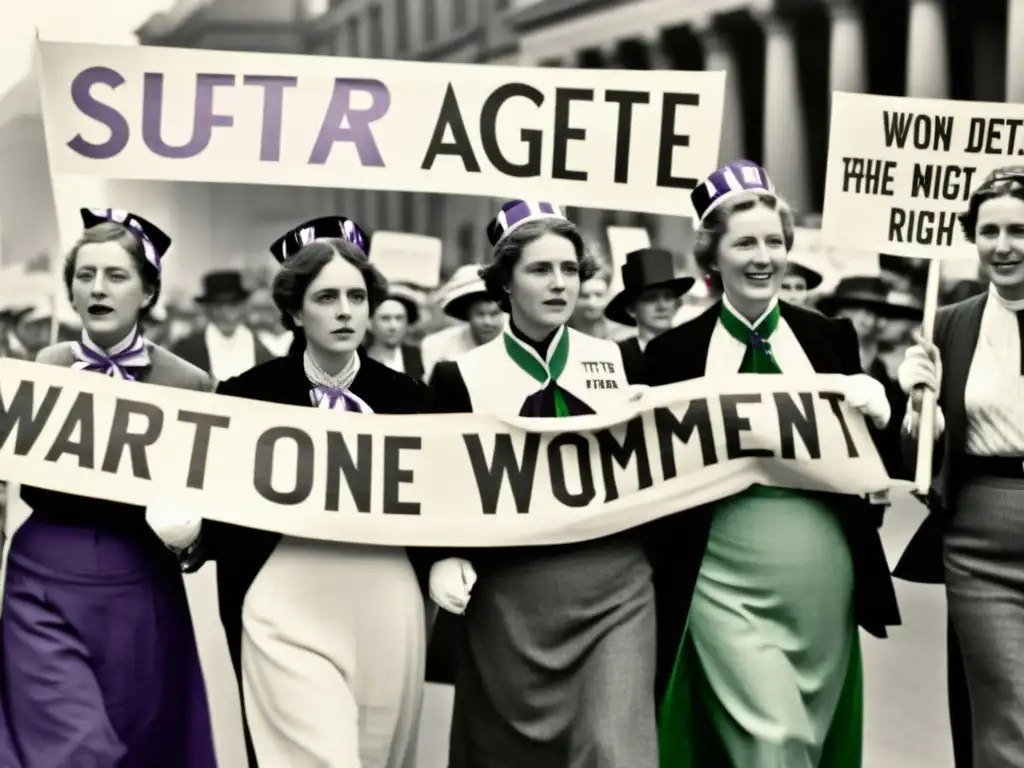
796,266
874,294
409,297
464,289
225,286
645,269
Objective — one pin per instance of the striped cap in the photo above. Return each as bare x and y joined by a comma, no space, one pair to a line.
515,213
729,180
294,240
155,242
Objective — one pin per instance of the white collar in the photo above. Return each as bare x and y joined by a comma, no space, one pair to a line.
242,335
1012,306
742,319
117,349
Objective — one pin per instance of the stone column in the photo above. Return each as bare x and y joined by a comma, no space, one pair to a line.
847,63
719,56
785,145
927,53
1015,51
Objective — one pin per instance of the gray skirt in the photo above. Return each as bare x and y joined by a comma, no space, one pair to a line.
556,664
984,559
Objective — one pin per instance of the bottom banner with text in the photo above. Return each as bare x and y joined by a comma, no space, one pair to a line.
453,480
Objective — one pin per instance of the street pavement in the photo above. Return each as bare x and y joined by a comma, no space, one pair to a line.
905,687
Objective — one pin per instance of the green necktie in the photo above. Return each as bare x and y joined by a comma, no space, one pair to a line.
543,371
759,357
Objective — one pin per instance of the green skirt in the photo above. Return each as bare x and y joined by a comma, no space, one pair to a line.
768,674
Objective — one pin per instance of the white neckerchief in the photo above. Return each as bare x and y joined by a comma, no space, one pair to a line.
230,355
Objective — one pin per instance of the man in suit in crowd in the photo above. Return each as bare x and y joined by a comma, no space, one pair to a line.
225,347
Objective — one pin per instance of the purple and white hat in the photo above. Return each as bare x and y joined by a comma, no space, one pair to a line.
155,242
728,181
515,213
294,240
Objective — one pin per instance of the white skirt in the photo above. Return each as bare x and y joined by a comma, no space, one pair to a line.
333,656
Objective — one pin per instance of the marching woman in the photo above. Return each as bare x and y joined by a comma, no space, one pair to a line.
99,661
973,540
555,664
328,638
767,660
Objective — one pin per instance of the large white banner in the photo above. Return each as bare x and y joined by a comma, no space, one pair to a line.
593,138
901,169
463,480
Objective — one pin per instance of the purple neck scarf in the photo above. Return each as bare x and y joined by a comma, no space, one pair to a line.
123,361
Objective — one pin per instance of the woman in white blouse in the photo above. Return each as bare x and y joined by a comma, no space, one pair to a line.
976,366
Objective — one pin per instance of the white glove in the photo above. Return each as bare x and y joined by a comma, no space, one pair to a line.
912,422
451,584
867,396
921,367
175,523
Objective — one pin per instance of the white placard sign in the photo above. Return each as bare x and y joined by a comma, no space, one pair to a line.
900,170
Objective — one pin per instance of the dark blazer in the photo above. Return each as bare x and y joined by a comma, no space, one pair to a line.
680,355
241,552
412,360
632,359
957,328
193,349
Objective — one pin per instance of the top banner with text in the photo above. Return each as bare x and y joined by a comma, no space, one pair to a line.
446,480
621,140
901,169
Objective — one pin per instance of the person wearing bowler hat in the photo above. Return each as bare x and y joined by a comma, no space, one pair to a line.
464,298
649,300
225,347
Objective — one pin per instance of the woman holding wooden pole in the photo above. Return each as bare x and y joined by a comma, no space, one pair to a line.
975,367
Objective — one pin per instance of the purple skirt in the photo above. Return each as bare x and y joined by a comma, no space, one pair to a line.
98,659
